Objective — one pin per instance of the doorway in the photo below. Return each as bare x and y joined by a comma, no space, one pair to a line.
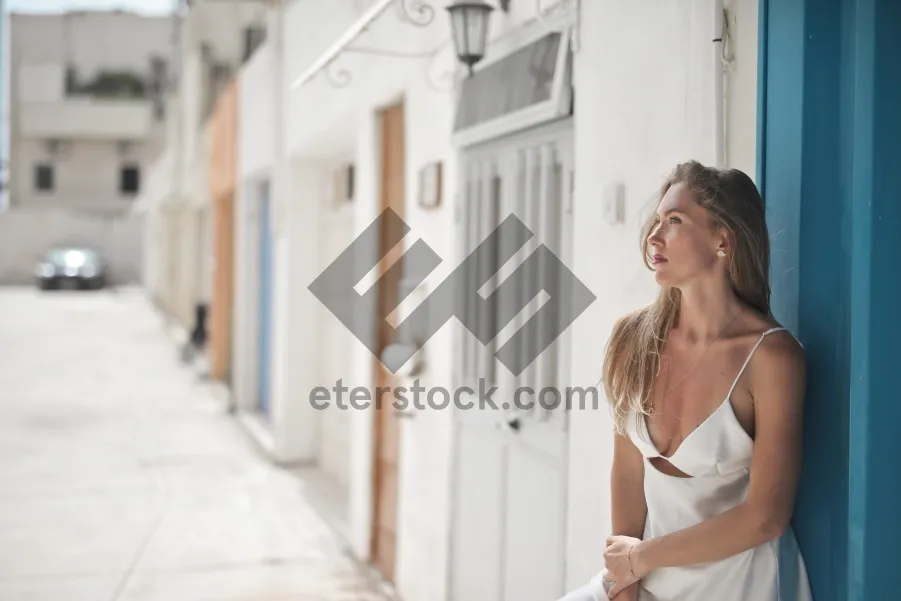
510,463
387,431
264,347
223,287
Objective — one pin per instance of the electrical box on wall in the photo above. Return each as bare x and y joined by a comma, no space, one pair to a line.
614,203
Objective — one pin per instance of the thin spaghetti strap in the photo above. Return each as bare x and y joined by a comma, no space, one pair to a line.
748,360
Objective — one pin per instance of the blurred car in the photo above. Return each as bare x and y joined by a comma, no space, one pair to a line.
71,268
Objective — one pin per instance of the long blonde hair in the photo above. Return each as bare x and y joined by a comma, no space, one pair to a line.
632,356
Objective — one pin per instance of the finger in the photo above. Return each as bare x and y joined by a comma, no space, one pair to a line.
614,590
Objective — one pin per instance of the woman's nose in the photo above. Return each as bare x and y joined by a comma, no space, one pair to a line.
655,239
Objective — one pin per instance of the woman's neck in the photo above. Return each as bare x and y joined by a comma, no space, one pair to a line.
705,310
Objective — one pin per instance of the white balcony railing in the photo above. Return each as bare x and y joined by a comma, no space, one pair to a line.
87,118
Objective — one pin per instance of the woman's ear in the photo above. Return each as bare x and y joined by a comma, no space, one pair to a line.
723,241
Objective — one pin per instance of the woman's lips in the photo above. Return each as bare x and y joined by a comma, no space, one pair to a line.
657,259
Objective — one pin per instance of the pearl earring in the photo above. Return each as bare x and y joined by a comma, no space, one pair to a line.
721,253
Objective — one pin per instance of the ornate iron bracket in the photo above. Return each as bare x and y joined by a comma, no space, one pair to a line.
416,12
340,77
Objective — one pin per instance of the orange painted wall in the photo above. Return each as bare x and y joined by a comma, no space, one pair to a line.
223,177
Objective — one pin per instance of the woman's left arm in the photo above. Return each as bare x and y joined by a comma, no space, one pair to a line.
778,384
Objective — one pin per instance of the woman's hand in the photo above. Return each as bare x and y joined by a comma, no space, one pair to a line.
620,563
630,593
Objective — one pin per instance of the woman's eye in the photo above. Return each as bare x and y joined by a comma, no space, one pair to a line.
675,220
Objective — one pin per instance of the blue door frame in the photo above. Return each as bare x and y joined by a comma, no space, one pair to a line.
265,307
829,167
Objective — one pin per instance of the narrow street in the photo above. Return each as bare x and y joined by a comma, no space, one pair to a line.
124,479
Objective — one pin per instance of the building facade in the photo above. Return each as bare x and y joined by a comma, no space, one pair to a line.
87,106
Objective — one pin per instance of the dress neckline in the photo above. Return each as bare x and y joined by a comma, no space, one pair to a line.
715,412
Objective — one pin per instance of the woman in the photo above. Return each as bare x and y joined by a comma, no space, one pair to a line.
707,392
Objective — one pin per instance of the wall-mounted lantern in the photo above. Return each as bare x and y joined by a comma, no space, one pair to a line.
469,24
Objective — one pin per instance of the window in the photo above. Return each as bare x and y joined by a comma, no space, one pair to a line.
43,177
531,85
71,82
129,180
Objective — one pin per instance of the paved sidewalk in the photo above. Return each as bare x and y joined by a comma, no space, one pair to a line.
123,480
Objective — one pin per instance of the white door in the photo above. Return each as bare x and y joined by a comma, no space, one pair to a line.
510,463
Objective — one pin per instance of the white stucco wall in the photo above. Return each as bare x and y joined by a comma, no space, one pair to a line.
244,307
188,221
335,347
255,118
157,187
295,353
644,103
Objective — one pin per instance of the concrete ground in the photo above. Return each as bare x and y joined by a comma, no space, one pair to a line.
123,479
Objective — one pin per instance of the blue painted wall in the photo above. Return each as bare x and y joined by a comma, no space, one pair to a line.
265,308
830,152
875,439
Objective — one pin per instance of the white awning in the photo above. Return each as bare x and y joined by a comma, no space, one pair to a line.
342,42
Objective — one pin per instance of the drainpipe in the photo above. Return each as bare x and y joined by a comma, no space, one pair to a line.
719,126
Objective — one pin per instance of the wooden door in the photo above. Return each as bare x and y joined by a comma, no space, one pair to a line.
384,534
510,472
221,307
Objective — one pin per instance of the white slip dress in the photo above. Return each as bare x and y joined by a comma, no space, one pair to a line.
717,456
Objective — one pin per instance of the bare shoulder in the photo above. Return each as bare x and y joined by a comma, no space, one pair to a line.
781,348
778,346
779,366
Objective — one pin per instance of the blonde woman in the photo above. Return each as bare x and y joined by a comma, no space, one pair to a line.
707,393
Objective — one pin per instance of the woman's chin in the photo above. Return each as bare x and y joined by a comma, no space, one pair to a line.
662,278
